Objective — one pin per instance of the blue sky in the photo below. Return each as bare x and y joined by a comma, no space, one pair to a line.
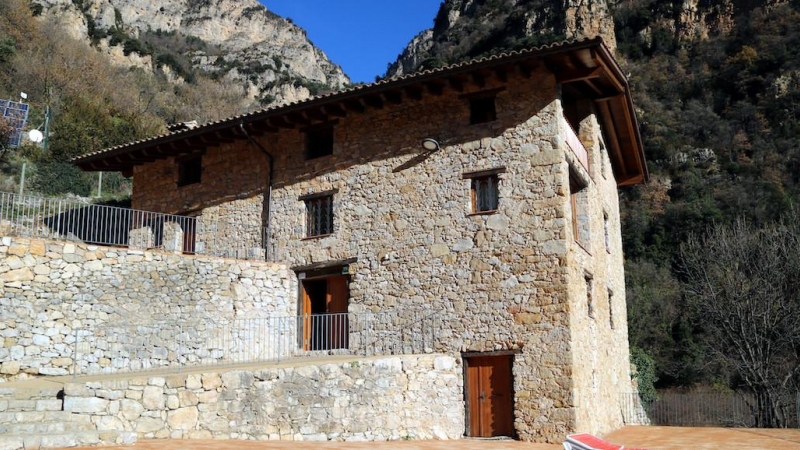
362,36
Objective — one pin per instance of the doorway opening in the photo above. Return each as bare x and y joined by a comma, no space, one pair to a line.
489,394
323,311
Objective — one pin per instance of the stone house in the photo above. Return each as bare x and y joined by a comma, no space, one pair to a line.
484,192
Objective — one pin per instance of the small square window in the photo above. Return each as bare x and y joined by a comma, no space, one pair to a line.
482,109
485,194
319,216
319,142
190,170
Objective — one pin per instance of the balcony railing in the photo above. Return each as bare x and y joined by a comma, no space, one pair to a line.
76,220
573,141
208,342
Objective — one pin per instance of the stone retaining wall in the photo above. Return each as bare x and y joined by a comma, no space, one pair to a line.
408,397
49,290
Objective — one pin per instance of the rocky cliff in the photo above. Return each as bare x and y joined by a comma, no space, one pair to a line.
470,28
236,41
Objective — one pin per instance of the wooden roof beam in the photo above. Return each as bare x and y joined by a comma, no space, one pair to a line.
393,97
354,106
436,89
414,92
615,151
373,101
260,128
456,83
279,122
572,76
335,111
317,114
298,118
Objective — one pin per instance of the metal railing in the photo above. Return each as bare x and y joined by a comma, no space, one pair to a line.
76,220
710,408
206,342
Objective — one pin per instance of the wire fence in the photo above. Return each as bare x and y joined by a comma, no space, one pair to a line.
79,220
165,345
713,409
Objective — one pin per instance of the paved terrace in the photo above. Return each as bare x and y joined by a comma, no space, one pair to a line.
654,438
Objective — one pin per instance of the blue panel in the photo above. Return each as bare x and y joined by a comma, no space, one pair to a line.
16,114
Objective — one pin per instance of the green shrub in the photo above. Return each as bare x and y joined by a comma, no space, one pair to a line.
645,374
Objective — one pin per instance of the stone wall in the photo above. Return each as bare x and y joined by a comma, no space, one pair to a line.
409,397
118,302
598,314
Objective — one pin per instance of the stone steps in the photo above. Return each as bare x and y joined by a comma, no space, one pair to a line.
66,426
34,418
64,440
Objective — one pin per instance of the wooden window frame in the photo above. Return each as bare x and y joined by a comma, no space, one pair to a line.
319,214
190,170
477,179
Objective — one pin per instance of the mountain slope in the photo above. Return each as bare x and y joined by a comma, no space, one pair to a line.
235,41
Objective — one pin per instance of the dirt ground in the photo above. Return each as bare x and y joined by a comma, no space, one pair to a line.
654,438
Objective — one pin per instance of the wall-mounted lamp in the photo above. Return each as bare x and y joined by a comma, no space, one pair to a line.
430,144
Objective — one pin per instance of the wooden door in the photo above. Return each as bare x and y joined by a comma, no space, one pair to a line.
323,315
336,298
490,400
189,225
305,321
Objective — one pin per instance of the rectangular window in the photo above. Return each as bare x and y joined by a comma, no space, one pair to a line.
319,215
578,196
589,296
484,189
482,109
611,308
190,170
484,194
606,232
319,141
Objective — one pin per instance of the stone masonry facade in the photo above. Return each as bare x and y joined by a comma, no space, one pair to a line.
54,293
393,398
518,279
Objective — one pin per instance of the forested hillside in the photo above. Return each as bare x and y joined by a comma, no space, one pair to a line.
720,119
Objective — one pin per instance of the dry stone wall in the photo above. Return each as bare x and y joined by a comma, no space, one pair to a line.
54,293
377,399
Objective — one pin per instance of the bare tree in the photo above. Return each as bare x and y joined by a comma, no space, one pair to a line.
743,283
